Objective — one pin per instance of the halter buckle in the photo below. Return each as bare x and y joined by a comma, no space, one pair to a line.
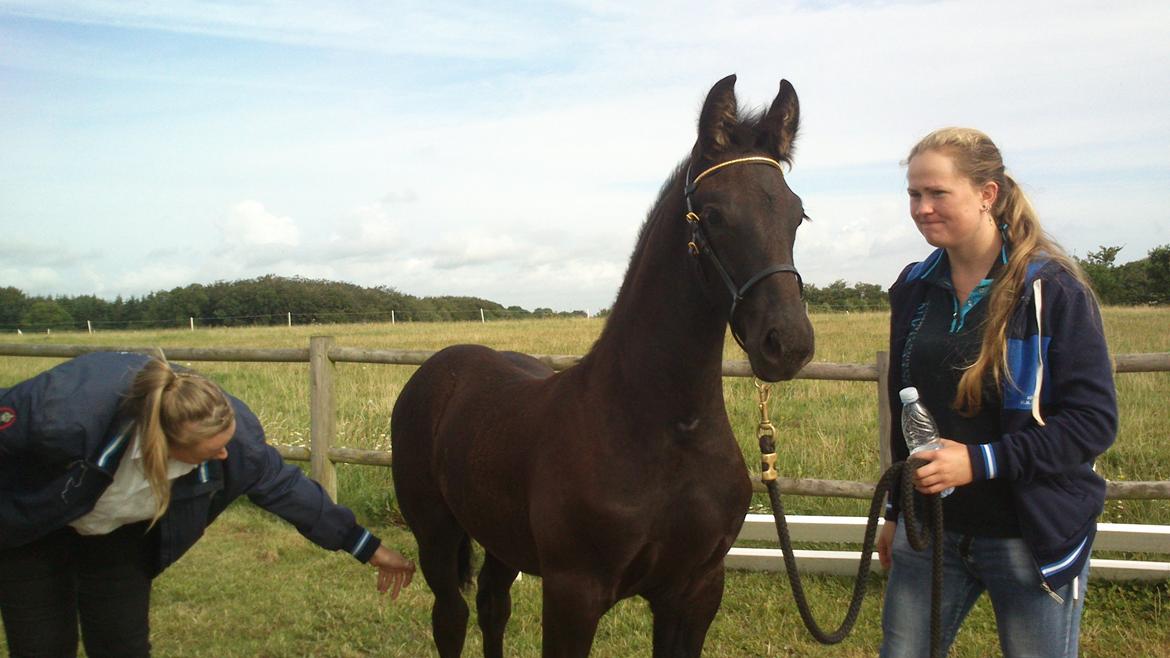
692,218
693,248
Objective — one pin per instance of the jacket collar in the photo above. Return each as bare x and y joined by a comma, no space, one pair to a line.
936,269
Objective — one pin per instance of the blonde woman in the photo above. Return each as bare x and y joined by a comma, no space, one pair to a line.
1001,334
111,467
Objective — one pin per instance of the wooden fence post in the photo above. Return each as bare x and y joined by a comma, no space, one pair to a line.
883,399
322,414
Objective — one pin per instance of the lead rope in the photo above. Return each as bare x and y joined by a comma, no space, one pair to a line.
899,476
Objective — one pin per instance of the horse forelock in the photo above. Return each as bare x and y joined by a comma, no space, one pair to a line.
745,135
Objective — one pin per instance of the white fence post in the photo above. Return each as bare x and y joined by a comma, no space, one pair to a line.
481,316
89,326
192,319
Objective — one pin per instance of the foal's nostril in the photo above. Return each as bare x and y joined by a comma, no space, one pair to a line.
773,347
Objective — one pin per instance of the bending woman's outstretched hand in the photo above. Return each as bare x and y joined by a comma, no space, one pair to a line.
394,570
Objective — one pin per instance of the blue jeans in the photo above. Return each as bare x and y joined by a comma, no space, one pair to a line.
1030,621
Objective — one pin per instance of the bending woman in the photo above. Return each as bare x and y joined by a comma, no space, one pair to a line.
1001,334
111,467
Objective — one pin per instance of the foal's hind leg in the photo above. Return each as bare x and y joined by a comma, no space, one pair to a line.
493,603
444,554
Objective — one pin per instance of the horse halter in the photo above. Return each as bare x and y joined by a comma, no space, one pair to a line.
701,243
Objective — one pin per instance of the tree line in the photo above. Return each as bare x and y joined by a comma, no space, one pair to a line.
1139,282
265,300
274,299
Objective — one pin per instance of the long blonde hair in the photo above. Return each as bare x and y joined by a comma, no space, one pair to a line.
978,159
172,408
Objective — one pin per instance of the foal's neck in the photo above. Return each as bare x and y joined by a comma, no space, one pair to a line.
664,336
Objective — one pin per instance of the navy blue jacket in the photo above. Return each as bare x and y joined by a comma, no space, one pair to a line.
1059,410
61,442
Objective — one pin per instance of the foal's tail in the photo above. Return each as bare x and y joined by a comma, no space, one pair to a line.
464,563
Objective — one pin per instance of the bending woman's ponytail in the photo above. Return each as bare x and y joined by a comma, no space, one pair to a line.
172,408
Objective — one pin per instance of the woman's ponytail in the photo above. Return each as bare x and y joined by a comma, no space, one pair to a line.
172,408
978,159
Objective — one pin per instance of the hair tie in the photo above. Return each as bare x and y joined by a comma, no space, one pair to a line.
172,380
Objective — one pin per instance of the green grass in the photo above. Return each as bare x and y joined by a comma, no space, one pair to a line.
253,587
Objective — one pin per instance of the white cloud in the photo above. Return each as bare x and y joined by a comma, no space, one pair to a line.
249,224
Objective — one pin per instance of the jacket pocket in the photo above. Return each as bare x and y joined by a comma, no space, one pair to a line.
1069,487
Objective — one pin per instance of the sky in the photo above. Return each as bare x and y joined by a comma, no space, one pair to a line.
511,150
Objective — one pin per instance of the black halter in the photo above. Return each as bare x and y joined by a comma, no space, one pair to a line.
701,244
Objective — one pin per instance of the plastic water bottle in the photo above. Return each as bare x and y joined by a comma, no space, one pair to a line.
918,426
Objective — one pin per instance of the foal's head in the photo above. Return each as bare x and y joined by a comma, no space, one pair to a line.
744,219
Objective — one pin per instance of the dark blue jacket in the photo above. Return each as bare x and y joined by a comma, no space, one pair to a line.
1059,410
61,442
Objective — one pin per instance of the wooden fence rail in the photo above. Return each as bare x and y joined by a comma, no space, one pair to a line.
322,355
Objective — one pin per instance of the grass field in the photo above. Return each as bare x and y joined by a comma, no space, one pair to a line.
253,587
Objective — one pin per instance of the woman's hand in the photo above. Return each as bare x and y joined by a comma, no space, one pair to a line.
394,570
949,466
885,543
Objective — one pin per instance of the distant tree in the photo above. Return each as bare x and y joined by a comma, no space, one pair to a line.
46,314
1098,266
174,307
517,313
13,305
87,307
1158,274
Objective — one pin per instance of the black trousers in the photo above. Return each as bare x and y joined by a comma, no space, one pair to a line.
46,586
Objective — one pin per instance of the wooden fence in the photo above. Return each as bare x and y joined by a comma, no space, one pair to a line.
322,355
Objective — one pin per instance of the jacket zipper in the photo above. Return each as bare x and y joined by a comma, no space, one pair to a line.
1058,598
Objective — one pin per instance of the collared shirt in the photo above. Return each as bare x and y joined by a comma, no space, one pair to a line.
129,498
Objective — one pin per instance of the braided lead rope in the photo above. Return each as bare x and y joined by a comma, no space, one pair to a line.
899,477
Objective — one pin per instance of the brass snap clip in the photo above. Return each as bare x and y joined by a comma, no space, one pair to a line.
766,434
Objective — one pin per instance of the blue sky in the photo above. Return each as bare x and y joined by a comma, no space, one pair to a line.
512,152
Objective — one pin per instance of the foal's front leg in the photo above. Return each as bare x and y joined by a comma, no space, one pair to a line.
681,621
573,605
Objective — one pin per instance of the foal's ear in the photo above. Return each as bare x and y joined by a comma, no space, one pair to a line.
778,129
719,116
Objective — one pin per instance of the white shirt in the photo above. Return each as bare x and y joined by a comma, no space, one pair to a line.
129,498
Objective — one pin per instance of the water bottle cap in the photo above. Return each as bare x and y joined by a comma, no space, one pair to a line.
908,395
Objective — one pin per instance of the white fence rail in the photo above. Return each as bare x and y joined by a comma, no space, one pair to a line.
1126,537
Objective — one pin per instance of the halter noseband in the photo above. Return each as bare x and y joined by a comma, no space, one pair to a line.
701,244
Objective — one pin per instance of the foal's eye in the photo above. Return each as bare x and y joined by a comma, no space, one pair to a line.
713,216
